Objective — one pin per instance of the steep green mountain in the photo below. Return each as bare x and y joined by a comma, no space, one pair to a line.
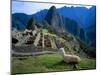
20,20
91,35
54,19
62,24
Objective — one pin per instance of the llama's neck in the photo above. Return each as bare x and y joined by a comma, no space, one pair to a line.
62,51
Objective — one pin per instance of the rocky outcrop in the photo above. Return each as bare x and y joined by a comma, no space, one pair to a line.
54,19
62,24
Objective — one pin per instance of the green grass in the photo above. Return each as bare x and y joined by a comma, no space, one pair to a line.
46,32
48,63
87,63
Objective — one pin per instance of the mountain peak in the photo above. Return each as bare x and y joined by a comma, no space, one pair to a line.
50,14
53,8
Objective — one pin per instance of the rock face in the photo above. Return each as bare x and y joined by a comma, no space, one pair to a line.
54,19
60,23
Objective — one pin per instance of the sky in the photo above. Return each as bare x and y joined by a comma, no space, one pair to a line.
33,7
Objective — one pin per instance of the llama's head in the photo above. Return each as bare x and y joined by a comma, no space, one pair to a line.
61,51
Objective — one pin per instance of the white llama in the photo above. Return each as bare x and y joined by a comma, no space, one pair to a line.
71,59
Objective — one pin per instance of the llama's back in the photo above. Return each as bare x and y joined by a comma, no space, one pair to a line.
72,59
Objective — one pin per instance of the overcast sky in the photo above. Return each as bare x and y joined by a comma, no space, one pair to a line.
31,7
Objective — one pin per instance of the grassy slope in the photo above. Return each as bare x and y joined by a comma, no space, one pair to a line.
48,63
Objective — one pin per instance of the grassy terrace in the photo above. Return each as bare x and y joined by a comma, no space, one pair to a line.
48,63
45,32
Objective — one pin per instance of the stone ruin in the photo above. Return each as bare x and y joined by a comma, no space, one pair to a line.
35,41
